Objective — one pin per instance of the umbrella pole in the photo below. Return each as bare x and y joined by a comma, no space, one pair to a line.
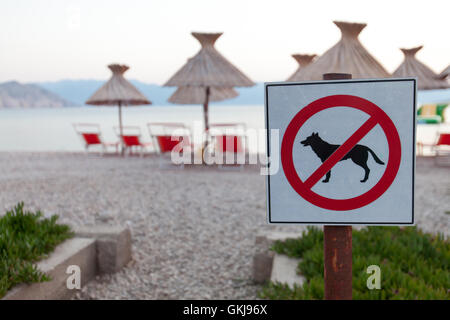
121,129
205,110
205,116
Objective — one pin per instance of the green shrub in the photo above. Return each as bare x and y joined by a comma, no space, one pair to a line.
414,265
26,237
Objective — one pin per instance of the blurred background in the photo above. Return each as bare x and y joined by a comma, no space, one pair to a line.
54,57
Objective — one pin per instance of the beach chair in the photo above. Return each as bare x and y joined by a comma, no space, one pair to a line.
229,141
440,149
171,137
90,135
131,139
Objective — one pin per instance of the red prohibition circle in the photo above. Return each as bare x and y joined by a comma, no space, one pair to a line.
374,112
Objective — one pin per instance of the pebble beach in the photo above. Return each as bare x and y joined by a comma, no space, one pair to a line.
193,229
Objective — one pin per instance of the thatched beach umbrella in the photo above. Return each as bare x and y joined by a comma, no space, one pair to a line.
208,76
197,95
445,73
346,56
411,67
303,61
117,91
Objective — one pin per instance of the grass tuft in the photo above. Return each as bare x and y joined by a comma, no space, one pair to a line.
26,237
414,265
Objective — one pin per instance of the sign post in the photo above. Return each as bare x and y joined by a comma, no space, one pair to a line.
343,154
337,247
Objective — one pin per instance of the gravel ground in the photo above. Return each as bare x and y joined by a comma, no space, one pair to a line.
193,229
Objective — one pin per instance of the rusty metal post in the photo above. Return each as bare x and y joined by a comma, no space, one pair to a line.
337,247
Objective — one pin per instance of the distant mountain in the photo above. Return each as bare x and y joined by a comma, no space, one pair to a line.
17,95
78,91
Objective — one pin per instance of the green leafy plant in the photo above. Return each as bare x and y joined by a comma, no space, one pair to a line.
26,237
414,265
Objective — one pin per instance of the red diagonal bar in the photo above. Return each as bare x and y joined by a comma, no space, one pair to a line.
340,152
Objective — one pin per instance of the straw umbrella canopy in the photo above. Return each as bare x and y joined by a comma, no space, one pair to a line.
445,73
303,61
208,76
348,55
197,95
117,91
411,67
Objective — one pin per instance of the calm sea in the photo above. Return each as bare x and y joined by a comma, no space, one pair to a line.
52,130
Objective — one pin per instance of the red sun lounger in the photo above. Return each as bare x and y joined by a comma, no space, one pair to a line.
229,138
440,149
91,135
131,138
171,137
442,143
168,135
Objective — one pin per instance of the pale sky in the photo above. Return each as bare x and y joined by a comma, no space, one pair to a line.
49,40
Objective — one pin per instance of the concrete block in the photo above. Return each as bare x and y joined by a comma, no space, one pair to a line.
113,246
262,266
76,251
284,270
263,258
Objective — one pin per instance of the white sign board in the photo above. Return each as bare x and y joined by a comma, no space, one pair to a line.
345,152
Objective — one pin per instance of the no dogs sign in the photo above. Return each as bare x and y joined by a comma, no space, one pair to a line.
344,154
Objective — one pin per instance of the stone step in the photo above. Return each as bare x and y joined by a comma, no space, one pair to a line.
284,270
77,251
95,250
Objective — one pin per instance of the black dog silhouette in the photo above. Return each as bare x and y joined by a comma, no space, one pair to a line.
359,153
